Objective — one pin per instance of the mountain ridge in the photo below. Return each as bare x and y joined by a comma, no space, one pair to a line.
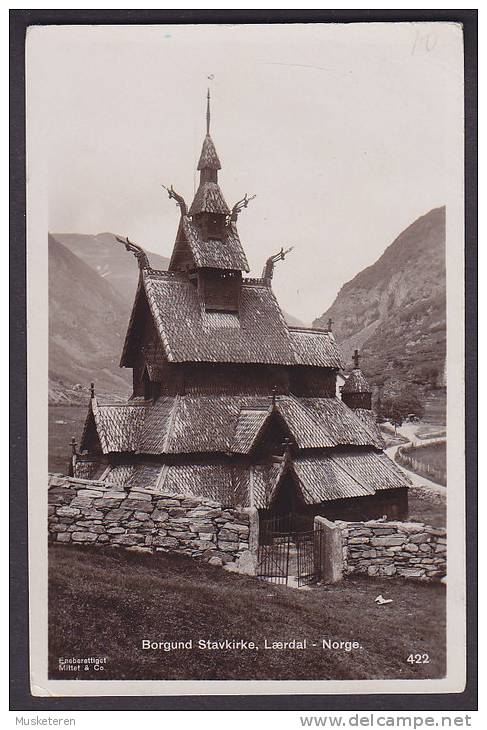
394,311
86,315
92,284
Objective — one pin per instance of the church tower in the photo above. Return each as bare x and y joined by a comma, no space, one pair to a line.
207,245
356,392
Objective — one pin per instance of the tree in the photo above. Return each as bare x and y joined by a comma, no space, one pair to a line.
392,411
411,403
397,408
379,409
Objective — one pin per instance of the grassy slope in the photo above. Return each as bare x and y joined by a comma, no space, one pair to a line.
64,422
430,510
103,603
432,455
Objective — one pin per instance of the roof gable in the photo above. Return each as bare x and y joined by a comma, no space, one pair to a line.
118,426
141,317
250,423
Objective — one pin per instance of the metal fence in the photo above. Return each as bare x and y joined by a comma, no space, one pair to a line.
406,459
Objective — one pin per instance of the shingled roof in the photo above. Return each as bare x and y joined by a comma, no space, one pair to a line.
209,199
320,478
369,420
226,253
118,426
186,424
315,347
259,333
356,383
262,335
209,159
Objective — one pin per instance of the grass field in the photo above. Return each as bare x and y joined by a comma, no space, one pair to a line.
432,454
430,509
427,460
103,603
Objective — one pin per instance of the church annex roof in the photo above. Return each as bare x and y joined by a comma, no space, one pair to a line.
315,347
186,424
321,478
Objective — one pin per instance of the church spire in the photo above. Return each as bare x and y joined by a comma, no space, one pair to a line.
208,164
209,198
208,112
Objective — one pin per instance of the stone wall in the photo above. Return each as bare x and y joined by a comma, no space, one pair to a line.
89,512
407,549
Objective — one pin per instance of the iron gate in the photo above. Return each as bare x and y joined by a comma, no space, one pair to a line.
308,548
274,545
285,551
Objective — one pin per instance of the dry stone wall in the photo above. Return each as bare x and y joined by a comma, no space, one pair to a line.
407,549
89,512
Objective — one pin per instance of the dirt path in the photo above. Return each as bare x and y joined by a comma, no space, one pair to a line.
408,431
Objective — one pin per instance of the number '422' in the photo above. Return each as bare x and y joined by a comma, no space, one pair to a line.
418,659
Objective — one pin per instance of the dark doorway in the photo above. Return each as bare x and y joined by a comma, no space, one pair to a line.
289,507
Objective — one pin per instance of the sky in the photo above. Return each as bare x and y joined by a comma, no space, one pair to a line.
343,133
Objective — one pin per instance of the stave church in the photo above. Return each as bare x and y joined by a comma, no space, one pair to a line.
229,402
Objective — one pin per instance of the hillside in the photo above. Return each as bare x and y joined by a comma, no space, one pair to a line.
395,310
87,324
92,283
108,257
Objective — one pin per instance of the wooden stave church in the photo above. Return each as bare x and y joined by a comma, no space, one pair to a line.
229,402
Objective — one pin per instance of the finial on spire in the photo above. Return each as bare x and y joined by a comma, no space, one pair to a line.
274,394
356,358
92,390
330,323
74,446
208,112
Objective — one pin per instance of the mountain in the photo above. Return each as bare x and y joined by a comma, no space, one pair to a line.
109,258
394,311
92,283
87,324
